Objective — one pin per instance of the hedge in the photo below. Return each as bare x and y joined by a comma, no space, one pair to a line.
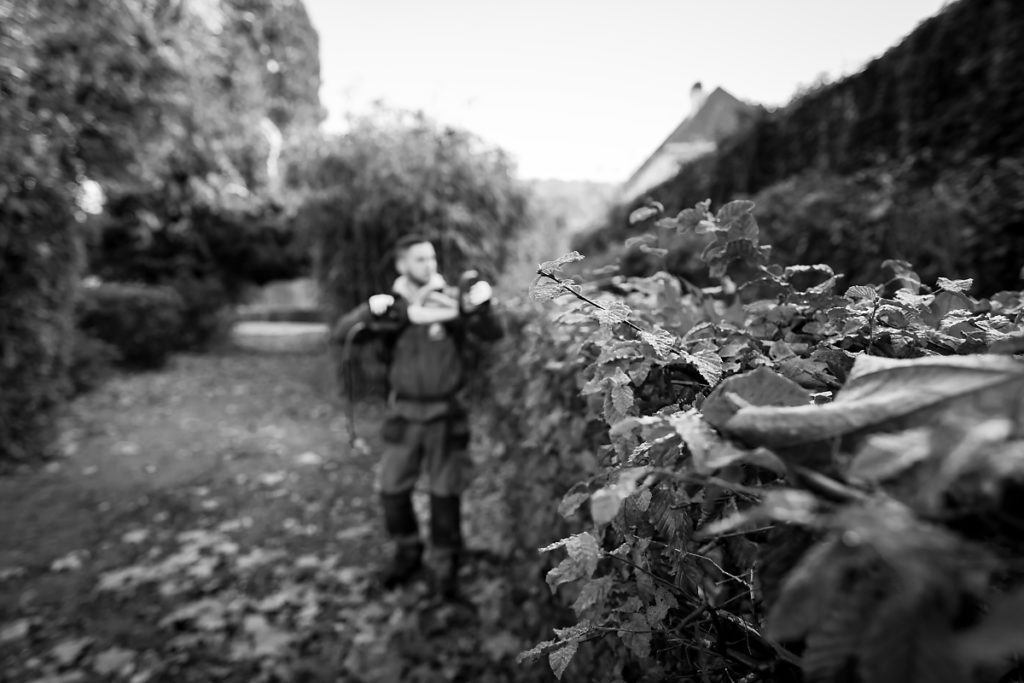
39,265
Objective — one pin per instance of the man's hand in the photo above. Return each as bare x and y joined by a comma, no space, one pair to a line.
479,294
380,303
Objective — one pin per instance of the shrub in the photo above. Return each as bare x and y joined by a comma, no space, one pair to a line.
398,173
207,254
144,322
206,311
91,364
786,467
39,263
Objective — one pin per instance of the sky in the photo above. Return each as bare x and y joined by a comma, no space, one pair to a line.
587,89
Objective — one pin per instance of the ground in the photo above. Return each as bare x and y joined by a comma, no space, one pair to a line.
210,522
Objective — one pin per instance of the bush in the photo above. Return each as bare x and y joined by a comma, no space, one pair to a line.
144,322
398,173
39,262
207,254
91,364
739,474
206,311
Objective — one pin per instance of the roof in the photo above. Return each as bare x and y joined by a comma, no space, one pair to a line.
719,116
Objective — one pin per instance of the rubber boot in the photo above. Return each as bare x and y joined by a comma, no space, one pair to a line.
446,539
401,525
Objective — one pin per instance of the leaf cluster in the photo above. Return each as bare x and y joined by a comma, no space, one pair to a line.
794,479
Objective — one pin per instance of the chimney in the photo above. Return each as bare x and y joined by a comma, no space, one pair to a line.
696,98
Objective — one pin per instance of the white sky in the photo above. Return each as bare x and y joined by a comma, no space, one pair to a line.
587,89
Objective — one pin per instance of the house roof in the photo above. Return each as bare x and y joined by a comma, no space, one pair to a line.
718,116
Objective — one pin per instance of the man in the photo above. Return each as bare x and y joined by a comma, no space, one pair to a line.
426,325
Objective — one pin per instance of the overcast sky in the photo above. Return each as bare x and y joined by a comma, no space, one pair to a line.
587,89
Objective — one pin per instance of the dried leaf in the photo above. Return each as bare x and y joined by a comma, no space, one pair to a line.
115,660
15,630
68,652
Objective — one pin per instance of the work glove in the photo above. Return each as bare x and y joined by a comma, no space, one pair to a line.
479,294
380,303
473,291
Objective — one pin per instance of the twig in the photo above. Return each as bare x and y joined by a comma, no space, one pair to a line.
585,298
719,567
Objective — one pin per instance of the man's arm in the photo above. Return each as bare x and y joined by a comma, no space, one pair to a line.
390,321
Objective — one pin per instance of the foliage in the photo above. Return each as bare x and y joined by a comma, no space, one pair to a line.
781,473
395,173
129,93
40,262
143,322
207,253
39,256
91,364
971,217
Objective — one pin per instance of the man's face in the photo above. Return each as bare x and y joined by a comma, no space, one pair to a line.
418,262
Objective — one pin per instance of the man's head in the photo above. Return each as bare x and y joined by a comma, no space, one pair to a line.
415,258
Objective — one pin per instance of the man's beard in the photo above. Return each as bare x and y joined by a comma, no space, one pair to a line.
419,282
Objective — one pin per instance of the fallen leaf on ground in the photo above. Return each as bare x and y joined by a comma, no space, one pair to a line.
69,563
310,458
69,652
116,660
16,630
136,536
355,532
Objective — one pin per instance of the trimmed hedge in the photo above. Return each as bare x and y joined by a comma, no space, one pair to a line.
143,322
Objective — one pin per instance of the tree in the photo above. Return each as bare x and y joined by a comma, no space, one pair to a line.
396,172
